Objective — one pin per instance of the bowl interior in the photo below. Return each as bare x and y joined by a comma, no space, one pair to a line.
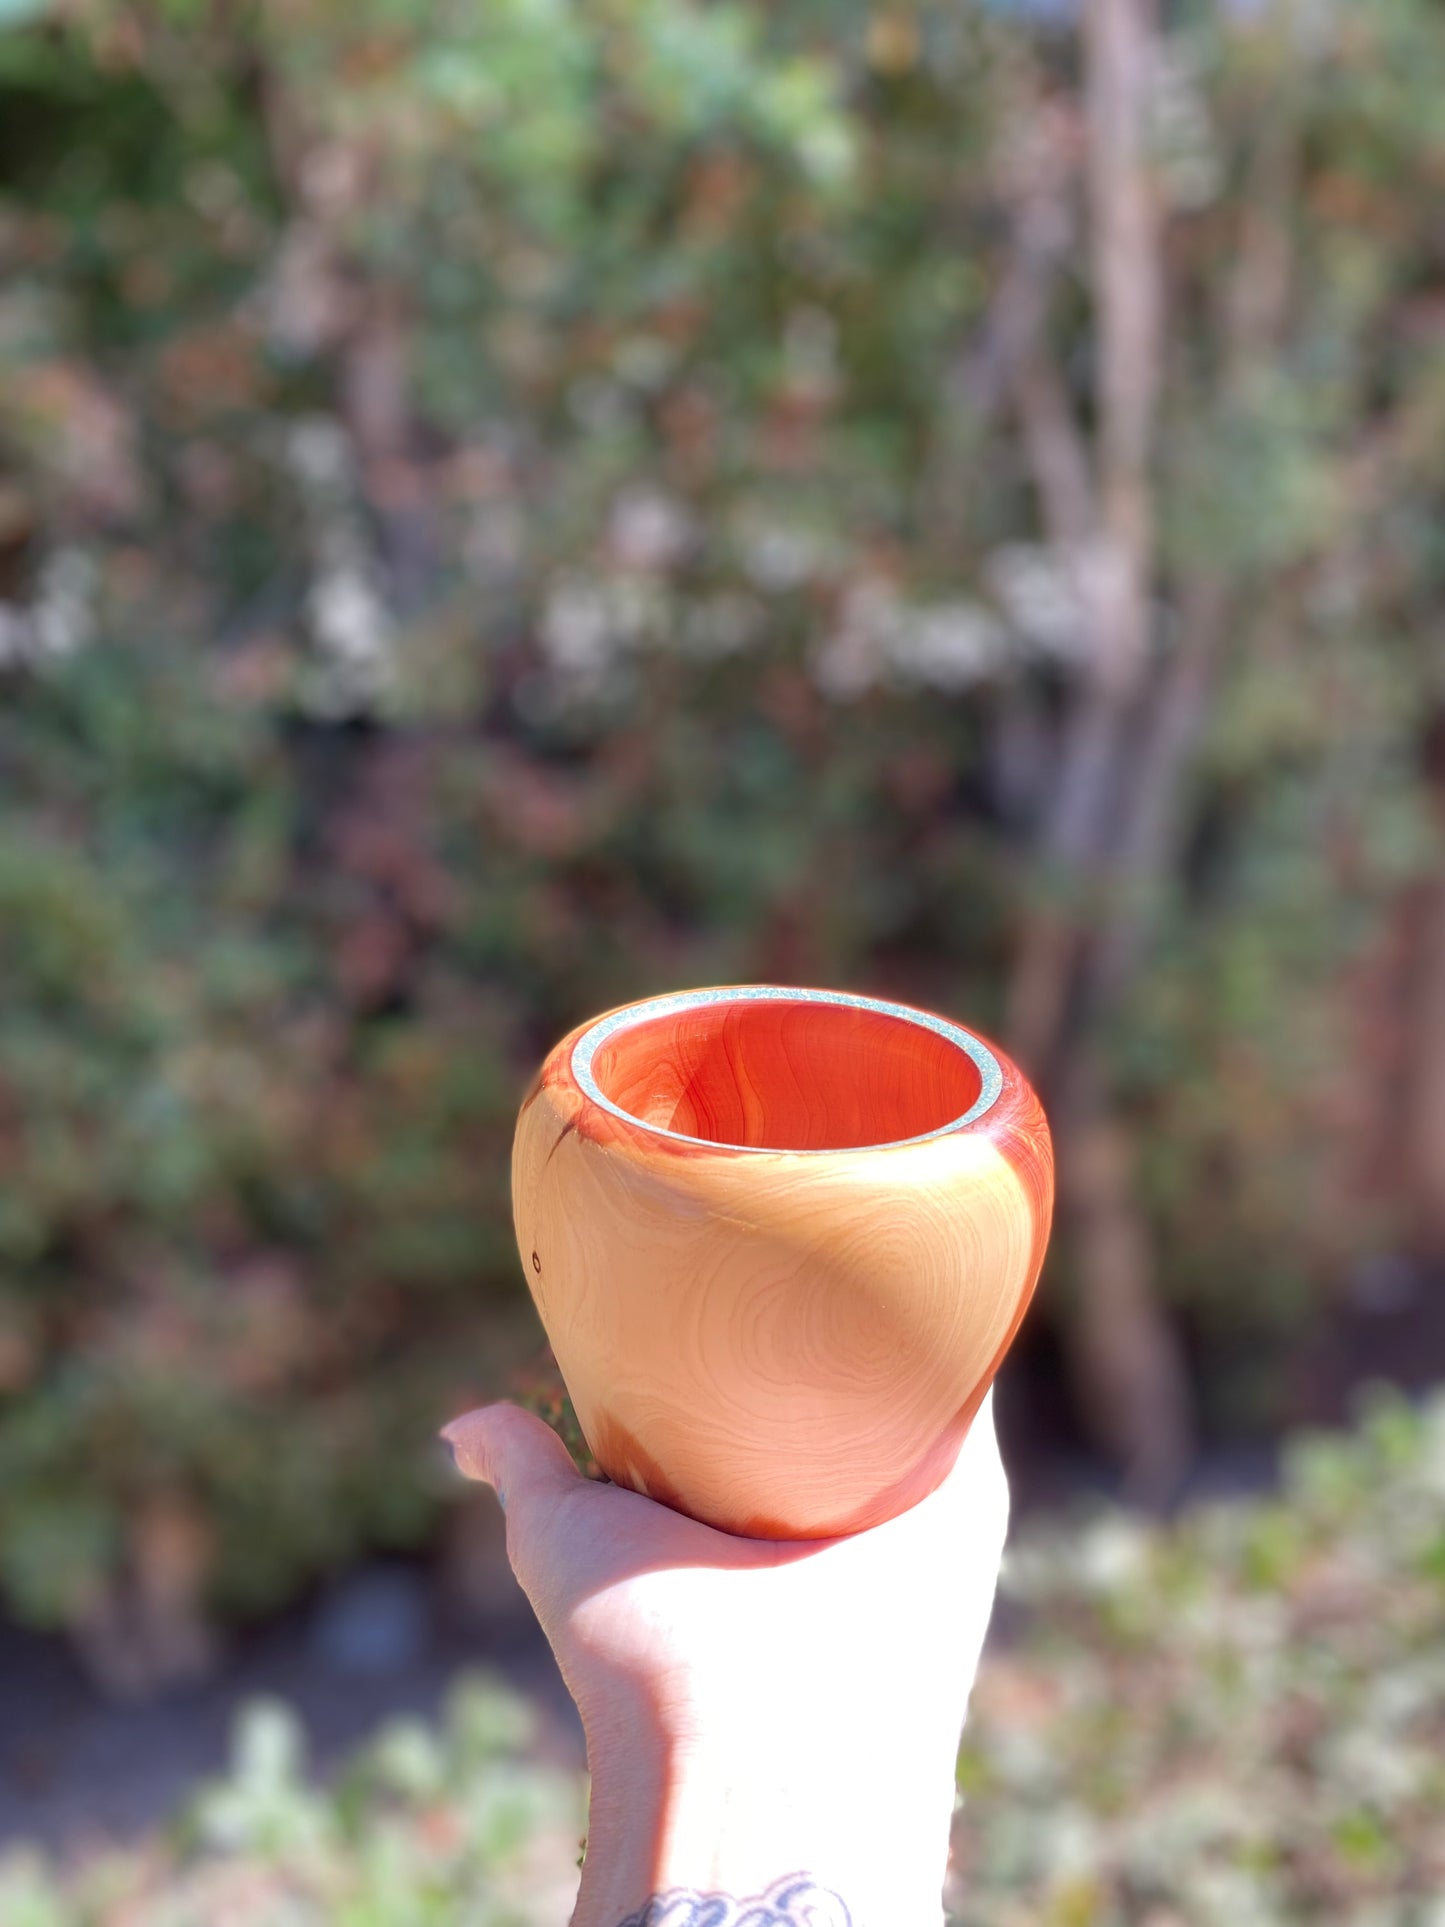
787,1075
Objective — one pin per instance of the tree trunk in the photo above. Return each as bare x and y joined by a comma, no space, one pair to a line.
1425,1088
1128,1367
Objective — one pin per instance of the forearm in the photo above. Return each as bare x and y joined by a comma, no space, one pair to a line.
755,1712
857,1830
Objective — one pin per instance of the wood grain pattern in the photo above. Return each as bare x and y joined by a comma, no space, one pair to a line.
780,1245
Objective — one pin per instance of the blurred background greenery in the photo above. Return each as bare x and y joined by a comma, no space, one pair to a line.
1237,1721
507,507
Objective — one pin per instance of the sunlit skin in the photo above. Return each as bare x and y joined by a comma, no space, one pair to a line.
754,1707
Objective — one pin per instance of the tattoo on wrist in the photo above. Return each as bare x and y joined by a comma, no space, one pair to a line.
794,1901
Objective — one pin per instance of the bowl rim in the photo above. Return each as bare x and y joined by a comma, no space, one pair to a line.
628,1016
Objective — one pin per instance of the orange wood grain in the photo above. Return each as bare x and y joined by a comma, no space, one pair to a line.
779,1286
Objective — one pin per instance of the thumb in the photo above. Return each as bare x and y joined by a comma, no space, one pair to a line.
514,1452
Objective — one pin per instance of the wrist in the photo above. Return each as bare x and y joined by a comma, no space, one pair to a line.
863,1806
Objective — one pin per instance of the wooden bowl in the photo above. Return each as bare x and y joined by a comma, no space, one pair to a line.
781,1241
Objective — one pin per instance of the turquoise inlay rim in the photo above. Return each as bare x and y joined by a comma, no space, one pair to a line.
587,1045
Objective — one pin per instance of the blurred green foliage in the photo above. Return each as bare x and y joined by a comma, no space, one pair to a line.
451,1824
503,510
1239,1718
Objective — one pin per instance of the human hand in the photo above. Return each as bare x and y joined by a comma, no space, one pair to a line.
754,1708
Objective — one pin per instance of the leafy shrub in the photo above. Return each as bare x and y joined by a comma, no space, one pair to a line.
1237,1718
507,510
449,1826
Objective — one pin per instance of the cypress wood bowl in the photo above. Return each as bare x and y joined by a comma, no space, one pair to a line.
780,1241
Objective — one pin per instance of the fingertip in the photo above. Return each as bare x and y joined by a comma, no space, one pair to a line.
509,1449
467,1437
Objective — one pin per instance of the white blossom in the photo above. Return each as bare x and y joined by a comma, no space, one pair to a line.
1186,146
576,631
777,557
1111,1554
60,619
351,627
879,637
347,618
853,658
649,530
63,614
1040,591
946,645
319,454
